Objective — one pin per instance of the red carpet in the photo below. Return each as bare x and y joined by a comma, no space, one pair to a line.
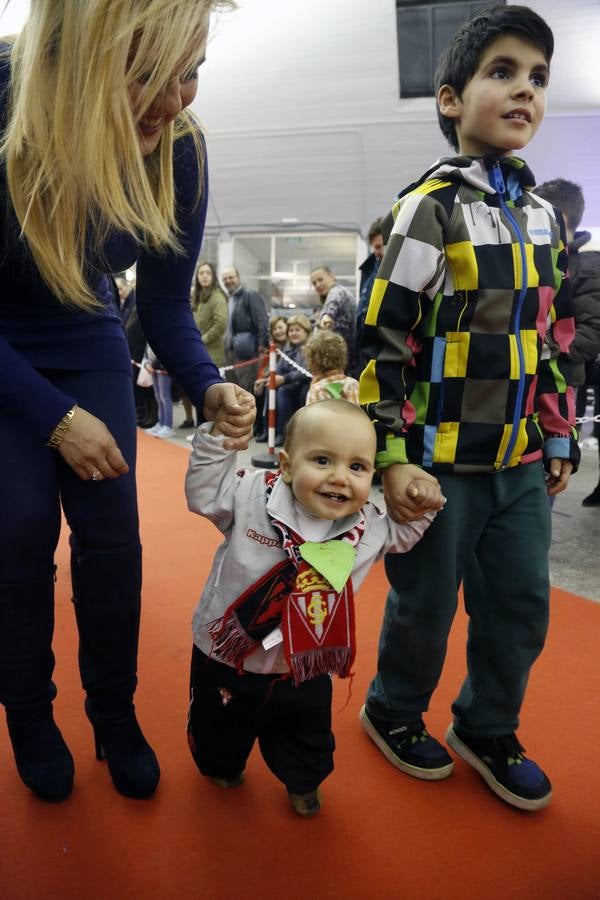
380,834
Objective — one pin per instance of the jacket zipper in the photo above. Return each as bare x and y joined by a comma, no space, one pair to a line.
501,188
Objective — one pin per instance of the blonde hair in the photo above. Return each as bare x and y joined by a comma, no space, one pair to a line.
325,352
302,321
73,160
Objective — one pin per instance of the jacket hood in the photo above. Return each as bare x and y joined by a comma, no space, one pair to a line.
476,172
581,238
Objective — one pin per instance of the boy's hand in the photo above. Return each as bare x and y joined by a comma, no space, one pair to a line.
426,494
558,477
405,499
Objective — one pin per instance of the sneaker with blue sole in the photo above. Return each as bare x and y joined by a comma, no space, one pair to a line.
409,747
505,769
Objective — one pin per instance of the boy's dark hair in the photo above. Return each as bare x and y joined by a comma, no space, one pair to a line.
375,229
567,196
458,63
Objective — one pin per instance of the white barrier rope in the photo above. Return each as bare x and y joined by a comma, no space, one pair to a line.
580,420
294,364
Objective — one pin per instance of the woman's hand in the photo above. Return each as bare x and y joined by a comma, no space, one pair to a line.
89,448
234,410
326,322
259,386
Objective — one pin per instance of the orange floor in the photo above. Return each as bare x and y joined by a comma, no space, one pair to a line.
380,834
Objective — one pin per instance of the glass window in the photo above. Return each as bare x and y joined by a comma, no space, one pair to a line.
424,30
278,266
209,252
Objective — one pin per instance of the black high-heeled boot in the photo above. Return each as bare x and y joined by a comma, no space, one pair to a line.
131,761
106,594
43,760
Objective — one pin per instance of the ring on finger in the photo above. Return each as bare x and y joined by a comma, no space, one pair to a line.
97,475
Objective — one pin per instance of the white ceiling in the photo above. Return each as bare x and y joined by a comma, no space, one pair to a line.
299,99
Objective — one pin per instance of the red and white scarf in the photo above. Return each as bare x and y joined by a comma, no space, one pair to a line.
316,621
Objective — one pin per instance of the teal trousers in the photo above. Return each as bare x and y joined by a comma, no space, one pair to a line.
493,536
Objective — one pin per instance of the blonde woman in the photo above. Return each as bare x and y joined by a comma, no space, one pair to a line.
102,167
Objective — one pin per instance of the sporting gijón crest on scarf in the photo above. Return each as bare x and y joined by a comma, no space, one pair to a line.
316,617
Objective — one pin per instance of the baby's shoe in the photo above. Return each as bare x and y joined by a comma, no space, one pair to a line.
227,781
307,804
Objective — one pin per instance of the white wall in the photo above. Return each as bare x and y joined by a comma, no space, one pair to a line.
300,102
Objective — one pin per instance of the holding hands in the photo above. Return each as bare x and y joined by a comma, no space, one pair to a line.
92,452
233,410
410,491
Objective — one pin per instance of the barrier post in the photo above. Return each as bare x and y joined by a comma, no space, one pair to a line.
270,460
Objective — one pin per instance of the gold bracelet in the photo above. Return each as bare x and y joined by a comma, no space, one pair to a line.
57,436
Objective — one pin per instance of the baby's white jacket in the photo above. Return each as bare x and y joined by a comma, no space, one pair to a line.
235,500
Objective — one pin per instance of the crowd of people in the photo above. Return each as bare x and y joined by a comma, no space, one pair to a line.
237,333
461,341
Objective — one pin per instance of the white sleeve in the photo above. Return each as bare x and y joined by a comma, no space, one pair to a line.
211,480
402,536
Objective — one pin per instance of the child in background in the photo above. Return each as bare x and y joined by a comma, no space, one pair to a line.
326,355
161,384
276,616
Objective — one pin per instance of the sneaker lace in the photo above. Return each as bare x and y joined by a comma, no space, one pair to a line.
510,747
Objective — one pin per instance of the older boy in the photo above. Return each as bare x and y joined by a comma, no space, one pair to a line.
467,333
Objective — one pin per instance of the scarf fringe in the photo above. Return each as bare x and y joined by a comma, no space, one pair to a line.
230,642
311,663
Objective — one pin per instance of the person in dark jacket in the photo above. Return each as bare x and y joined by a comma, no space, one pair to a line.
338,309
247,335
368,272
146,411
112,172
584,272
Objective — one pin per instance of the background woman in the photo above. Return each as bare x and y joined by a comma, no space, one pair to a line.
102,167
209,306
290,382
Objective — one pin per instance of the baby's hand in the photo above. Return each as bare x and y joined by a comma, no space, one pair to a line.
426,494
404,505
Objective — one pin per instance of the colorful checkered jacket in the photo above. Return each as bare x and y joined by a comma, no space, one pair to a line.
469,324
